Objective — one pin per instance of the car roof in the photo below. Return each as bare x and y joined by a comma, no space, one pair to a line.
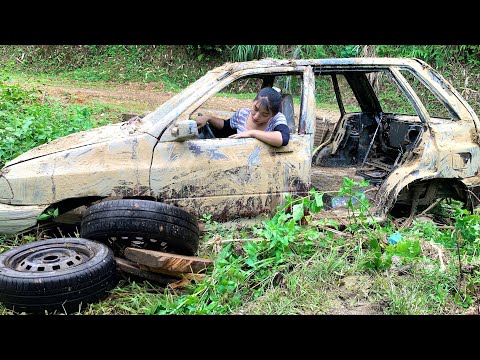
338,62
168,111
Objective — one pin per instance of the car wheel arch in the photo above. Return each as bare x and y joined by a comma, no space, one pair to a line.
429,190
75,207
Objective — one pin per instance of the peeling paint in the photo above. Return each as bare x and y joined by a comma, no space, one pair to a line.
194,148
254,158
249,174
215,155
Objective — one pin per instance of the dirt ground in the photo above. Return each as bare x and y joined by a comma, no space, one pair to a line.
138,97
144,97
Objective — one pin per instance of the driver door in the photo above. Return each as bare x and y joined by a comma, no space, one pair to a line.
232,178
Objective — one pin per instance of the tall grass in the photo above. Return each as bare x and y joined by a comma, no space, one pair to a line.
252,52
28,118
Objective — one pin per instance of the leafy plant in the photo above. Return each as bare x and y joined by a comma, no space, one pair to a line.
405,249
251,52
29,119
353,193
350,51
244,269
50,213
203,52
377,259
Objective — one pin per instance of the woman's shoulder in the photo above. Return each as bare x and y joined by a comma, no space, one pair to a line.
245,110
279,118
242,113
239,117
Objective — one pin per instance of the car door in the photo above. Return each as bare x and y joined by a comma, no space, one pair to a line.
231,178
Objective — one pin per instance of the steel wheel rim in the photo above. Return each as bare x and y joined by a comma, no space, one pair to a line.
50,257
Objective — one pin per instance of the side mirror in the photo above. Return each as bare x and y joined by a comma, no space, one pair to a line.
185,130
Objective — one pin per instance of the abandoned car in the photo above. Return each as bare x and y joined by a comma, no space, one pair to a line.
397,123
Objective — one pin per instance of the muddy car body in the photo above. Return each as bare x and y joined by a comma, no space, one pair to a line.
412,159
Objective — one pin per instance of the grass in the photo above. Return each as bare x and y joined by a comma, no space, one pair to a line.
331,280
128,298
243,96
310,288
55,80
30,118
426,290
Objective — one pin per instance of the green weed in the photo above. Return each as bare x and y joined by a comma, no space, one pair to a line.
28,120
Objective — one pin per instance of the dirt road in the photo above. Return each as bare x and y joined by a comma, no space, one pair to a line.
141,98
136,98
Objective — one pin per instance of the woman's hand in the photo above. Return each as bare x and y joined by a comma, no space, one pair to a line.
245,134
201,120
217,123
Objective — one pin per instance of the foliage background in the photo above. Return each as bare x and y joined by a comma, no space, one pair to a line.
179,65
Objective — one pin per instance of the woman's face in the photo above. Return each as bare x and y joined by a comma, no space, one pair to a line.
260,115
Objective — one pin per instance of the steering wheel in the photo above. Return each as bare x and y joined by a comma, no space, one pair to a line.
205,132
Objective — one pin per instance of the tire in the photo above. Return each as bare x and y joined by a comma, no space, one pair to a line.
142,224
63,275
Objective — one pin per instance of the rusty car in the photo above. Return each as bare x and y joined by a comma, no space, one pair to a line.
412,154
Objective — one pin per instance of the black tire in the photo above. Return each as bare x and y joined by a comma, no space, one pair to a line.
63,275
143,224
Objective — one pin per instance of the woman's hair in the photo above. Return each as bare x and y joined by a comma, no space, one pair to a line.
270,99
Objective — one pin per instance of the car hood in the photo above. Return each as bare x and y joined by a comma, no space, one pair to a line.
76,140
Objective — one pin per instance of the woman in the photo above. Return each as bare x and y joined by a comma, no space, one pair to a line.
262,121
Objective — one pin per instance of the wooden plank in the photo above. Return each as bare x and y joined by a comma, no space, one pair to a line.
165,261
132,268
189,276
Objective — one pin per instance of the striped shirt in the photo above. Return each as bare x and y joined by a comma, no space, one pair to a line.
239,120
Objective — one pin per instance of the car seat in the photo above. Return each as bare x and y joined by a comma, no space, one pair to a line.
286,108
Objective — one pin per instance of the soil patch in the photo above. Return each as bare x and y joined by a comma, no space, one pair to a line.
141,98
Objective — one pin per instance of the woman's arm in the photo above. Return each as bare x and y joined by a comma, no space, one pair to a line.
280,136
216,122
273,138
